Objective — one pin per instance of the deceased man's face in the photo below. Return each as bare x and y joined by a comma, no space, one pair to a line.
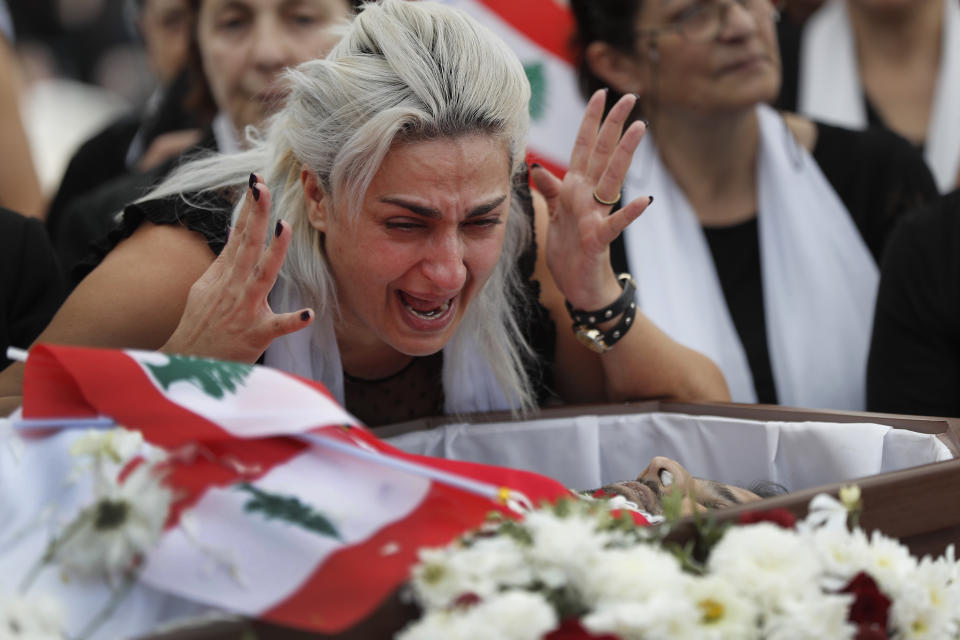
663,476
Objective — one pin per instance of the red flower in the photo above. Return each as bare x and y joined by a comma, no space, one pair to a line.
467,600
780,517
871,632
870,606
571,629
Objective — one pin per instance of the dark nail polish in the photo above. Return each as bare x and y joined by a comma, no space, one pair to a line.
646,123
253,180
304,315
536,165
256,193
651,201
279,229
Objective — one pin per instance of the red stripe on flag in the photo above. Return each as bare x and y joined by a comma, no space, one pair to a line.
115,385
354,581
555,169
544,22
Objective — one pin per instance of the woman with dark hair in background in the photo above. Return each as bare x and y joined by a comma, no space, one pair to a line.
762,251
238,50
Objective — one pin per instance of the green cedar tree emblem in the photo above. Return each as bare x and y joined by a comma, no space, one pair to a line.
537,76
289,509
215,378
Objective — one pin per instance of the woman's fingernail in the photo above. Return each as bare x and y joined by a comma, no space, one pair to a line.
536,165
256,192
651,201
646,123
279,229
253,180
305,315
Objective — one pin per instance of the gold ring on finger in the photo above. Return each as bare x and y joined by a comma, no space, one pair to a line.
606,202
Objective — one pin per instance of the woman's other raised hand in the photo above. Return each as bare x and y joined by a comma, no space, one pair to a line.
227,314
581,226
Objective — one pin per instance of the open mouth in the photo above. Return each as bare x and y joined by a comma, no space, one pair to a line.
429,310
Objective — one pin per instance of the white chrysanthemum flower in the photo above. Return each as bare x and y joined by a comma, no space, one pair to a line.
842,553
126,521
767,562
35,618
633,574
116,445
563,549
486,567
724,612
813,616
927,605
663,616
512,615
515,615
889,563
824,511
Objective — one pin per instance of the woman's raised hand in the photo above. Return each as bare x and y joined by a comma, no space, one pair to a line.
581,226
227,315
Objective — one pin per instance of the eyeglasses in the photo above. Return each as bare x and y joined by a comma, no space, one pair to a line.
703,20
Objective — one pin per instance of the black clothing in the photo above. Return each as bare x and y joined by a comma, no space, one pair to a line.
877,175
104,156
790,37
736,254
914,364
31,285
92,215
401,396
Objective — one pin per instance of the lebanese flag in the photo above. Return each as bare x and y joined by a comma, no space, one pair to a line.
268,525
539,32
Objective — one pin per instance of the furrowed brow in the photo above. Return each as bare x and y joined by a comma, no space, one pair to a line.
430,212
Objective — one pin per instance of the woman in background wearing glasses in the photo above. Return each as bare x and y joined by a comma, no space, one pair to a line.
762,250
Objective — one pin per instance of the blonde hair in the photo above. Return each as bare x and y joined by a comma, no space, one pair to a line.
403,71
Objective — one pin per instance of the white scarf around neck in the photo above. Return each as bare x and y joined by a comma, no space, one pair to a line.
819,278
830,89
469,384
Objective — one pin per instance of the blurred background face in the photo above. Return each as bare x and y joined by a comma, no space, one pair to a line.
245,44
165,27
708,55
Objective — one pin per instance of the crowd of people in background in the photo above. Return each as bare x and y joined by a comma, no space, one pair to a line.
804,159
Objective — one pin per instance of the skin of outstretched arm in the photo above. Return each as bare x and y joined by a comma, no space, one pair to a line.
644,364
133,300
19,185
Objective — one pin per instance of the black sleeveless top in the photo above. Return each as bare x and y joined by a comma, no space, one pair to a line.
417,390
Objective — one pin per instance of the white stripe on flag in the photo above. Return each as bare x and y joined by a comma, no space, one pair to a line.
268,402
273,557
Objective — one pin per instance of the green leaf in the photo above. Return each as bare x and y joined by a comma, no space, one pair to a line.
214,377
537,77
289,509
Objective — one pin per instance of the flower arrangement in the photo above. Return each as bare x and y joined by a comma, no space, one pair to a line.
579,570
106,540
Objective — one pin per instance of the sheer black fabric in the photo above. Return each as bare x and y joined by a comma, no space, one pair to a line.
914,364
31,284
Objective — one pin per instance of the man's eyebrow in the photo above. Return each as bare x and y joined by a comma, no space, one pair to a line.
430,212
724,492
